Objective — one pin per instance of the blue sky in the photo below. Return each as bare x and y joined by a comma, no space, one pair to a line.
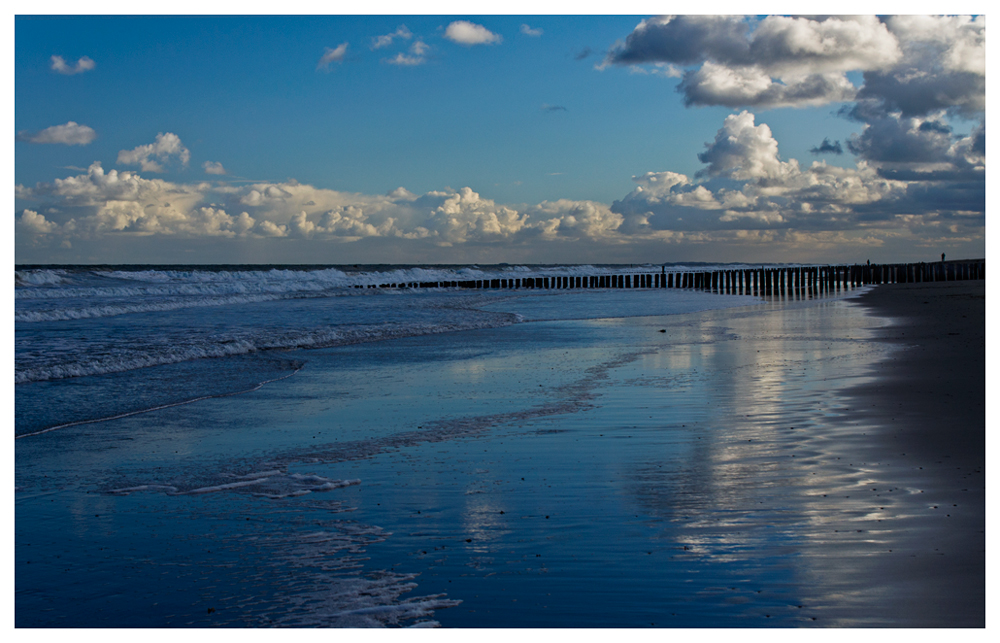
514,138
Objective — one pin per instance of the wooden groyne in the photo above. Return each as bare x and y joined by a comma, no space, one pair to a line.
744,281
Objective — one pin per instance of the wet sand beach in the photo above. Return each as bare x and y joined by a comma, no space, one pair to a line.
927,405
937,383
727,468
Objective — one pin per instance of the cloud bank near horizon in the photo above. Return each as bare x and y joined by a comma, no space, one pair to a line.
746,191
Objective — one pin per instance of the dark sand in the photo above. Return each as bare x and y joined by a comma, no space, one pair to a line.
932,394
927,403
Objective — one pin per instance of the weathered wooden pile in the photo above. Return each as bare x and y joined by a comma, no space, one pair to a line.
748,281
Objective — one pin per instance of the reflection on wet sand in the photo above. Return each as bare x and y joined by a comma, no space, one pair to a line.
773,476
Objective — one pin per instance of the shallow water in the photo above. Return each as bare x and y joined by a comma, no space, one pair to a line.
572,472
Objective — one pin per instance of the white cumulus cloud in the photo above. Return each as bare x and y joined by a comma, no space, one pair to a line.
777,61
332,55
913,65
415,57
167,146
384,41
83,64
468,33
71,133
744,151
403,60
213,167
35,223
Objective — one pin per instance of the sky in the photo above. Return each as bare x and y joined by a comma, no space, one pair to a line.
343,139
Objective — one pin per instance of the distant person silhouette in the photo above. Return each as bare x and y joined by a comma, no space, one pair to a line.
942,257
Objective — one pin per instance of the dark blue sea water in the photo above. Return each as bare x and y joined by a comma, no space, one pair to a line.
115,340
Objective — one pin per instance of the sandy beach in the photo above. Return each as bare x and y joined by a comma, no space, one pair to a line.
744,467
937,383
927,404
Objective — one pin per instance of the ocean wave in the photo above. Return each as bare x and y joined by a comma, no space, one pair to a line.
112,310
126,360
29,278
108,293
161,283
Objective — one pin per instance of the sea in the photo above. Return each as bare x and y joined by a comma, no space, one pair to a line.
311,446
149,336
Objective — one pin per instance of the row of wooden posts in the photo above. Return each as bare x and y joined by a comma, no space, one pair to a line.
751,281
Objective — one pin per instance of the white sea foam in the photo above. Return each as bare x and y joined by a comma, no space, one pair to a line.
113,310
86,294
28,278
124,359
129,360
197,313
209,282
270,484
